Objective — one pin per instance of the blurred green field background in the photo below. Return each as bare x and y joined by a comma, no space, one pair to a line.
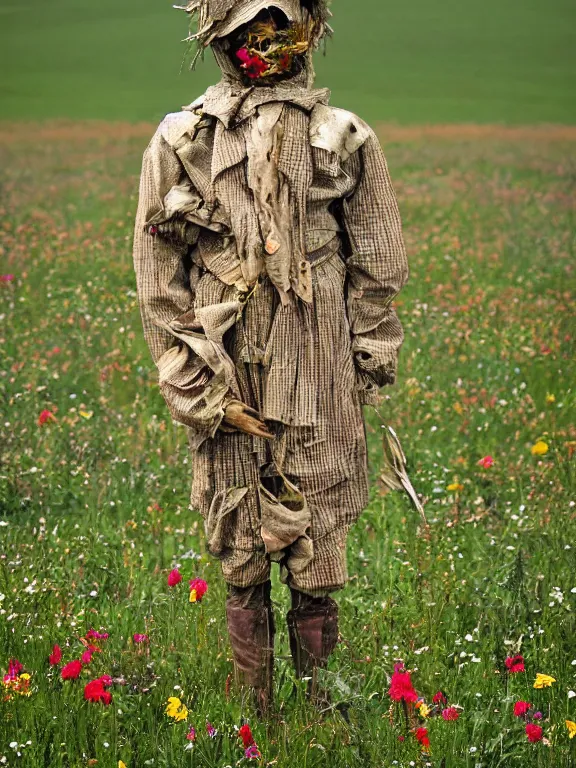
449,61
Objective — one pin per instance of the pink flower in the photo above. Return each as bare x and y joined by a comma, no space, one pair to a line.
14,669
515,664
401,688
252,753
537,716
198,589
6,278
191,735
93,634
451,713
56,655
138,638
86,656
520,708
72,670
486,462
534,732
174,577
210,730
253,65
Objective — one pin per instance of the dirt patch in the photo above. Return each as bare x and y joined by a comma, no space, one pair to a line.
105,131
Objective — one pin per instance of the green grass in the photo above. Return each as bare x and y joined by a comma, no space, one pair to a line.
94,505
410,62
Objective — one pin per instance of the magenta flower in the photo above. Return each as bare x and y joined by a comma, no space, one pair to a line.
138,638
174,577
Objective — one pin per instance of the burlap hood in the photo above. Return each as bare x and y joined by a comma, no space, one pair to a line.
218,18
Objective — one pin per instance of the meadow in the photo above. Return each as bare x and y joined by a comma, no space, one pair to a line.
95,478
412,62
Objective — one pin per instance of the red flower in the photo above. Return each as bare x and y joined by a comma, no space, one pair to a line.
486,462
440,698
401,687
56,655
520,708
95,690
45,416
86,657
71,671
254,66
451,713
174,577
422,737
6,278
515,664
199,588
534,732
246,735
93,634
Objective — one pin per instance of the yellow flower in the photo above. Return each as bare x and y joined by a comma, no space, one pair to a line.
86,414
571,728
543,681
424,709
24,676
539,448
176,709
121,764
550,398
192,595
455,487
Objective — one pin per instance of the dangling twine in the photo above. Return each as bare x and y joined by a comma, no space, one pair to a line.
394,474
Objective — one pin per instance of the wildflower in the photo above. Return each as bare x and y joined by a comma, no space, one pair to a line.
515,664
14,669
571,728
520,708
174,577
422,737
96,691
539,448
45,416
543,681
486,462
138,638
537,716
534,732
401,688
6,278
253,65
176,709
455,487
191,735
93,634
121,764
550,398
450,713
440,698
423,708
56,655
210,730
86,657
71,671
252,753
246,735
198,589
401,738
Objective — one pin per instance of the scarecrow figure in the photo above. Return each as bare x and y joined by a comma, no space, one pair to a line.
268,250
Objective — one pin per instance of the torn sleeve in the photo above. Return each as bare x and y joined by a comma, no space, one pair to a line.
195,375
377,269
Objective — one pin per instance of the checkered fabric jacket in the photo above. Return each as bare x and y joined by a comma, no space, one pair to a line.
268,250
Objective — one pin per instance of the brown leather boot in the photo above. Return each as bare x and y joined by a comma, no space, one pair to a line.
313,632
251,631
